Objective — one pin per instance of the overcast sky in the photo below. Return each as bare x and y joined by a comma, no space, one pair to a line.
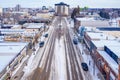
72,3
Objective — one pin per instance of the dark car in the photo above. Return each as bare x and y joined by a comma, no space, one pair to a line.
41,44
75,41
46,35
84,66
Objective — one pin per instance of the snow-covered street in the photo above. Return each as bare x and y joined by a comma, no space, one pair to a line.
59,62
60,58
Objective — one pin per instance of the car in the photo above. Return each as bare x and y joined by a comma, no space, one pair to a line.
46,35
75,41
84,66
41,44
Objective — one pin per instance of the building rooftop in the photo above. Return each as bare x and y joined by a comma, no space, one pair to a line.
100,36
13,43
91,22
9,31
33,25
10,49
62,3
85,19
16,26
5,60
113,33
8,52
101,43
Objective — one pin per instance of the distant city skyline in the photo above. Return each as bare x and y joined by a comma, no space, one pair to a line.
72,3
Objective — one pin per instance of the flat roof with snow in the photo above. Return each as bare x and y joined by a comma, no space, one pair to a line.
18,31
5,60
13,43
92,22
8,51
16,26
102,43
110,61
86,19
91,29
99,36
33,25
11,31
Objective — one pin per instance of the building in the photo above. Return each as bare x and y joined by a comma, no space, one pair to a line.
16,27
11,56
17,8
105,52
44,15
33,26
8,26
61,9
20,35
90,22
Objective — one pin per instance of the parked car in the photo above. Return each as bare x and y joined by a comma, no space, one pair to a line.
84,66
41,44
46,35
75,41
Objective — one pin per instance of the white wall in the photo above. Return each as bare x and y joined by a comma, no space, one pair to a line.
66,10
62,10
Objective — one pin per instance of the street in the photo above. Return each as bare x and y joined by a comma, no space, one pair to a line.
58,59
